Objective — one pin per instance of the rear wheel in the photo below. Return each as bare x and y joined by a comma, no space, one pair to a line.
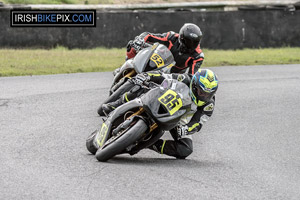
119,143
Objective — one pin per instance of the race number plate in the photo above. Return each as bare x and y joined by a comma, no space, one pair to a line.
157,60
171,101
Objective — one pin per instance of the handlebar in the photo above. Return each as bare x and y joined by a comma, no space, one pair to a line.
150,84
146,45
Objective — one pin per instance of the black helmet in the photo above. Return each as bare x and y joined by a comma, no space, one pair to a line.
189,37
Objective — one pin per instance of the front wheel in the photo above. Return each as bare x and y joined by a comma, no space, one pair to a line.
90,143
100,111
119,144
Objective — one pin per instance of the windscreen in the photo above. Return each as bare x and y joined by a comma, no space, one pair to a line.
141,59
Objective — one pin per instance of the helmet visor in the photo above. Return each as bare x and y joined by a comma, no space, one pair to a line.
191,44
200,94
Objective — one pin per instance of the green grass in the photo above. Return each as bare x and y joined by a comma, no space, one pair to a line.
16,62
57,1
60,60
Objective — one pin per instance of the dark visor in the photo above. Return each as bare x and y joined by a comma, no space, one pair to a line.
190,44
201,95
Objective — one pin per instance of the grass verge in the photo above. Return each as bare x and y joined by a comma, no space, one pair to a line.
17,62
58,1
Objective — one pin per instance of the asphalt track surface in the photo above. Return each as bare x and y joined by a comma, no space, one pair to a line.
250,148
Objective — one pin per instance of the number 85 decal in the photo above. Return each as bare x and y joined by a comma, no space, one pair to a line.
171,101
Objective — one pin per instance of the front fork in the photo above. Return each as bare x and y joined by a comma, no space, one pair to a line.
123,80
147,140
130,74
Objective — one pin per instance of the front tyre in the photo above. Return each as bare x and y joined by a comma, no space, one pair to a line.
118,145
90,143
100,111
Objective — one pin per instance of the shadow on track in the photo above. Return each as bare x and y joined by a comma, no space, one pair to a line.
162,162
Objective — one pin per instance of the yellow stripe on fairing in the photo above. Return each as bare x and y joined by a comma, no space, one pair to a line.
162,148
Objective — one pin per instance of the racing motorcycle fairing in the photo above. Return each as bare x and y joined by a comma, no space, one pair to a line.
157,57
167,103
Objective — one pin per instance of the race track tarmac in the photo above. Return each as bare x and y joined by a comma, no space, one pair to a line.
249,149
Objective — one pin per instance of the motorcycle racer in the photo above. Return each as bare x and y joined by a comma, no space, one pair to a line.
202,85
185,47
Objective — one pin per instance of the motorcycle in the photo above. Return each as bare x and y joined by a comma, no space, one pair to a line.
154,57
139,123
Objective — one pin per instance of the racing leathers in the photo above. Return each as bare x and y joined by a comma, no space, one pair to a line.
184,59
190,123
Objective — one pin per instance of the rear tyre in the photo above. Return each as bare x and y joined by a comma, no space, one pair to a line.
120,144
90,143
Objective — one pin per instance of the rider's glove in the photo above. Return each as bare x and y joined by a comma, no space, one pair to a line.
134,46
182,130
138,43
129,45
130,52
140,79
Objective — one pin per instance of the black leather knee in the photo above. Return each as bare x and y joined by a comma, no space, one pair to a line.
184,147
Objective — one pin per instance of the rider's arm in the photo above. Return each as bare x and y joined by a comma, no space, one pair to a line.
158,77
195,66
133,45
200,117
195,63
162,38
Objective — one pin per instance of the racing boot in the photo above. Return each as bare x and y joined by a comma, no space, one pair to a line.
109,107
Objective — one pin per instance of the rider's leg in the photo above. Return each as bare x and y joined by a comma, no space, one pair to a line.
180,147
135,91
116,95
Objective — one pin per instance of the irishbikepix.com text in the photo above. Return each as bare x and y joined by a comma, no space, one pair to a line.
53,18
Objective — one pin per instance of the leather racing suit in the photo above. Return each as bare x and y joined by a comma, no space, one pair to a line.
191,60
